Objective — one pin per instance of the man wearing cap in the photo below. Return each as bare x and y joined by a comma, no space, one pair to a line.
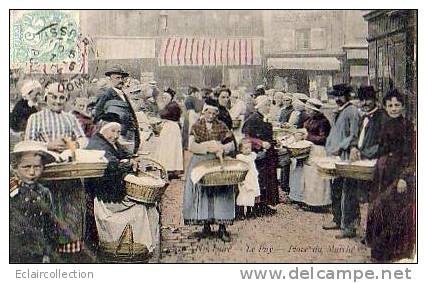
113,99
344,131
365,145
33,229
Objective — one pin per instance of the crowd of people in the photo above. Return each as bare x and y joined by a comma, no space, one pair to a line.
124,119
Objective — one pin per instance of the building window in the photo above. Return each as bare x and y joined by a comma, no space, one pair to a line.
318,39
302,37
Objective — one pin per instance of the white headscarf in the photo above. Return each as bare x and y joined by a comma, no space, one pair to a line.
28,86
261,101
207,106
108,126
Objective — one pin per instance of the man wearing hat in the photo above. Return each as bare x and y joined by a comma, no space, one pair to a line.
365,145
113,99
32,224
343,132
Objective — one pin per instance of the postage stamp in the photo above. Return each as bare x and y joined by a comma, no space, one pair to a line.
44,37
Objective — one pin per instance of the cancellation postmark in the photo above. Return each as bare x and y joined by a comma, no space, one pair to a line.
45,37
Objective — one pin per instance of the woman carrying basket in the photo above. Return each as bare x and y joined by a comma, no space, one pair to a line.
113,211
209,139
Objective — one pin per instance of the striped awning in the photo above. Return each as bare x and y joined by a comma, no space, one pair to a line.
195,51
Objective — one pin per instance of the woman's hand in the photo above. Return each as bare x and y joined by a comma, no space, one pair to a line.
401,186
354,154
214,147
135,165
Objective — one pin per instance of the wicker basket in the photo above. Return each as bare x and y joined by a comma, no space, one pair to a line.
148,193
358,172
279,132
299,152
125,249
68,171
324,169
231,172
236,124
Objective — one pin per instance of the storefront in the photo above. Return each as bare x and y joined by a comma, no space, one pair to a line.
309,75
392,52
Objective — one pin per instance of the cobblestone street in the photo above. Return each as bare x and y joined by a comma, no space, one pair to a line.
289,236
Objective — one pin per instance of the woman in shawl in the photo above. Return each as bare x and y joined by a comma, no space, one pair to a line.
223,97
169,149
209,139
391,223
112,209
260,132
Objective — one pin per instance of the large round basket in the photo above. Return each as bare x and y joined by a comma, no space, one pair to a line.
299,151
125,250
229,172
325,168
149,193
68,171
354,171
236,124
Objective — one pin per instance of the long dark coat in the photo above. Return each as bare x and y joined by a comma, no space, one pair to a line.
258,131
391,216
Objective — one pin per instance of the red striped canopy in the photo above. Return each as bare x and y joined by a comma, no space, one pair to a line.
194,51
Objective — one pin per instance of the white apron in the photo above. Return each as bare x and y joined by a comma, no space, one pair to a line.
168,150
249,188
317,190
112,218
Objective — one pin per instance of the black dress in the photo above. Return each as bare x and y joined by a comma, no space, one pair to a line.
20,114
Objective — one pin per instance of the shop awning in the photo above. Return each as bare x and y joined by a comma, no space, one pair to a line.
196,51
311,63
